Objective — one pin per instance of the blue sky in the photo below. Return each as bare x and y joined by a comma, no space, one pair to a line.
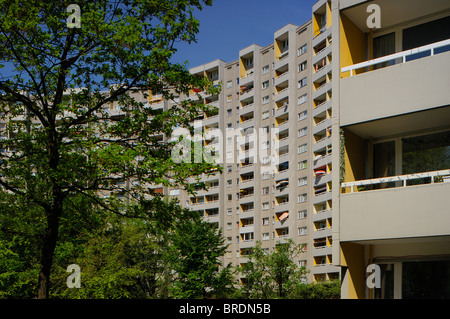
231,25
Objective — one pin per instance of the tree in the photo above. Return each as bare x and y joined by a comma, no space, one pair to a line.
257,283
60,140
317,290
271,275
196,247
124,259
284,272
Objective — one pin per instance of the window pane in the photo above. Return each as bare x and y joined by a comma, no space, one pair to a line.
426,153
426,280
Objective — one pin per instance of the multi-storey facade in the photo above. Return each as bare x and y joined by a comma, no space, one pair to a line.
274,116
348,137
391,105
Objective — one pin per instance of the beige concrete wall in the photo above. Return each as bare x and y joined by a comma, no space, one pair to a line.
400,89
414,211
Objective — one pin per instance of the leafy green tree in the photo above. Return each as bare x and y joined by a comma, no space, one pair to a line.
271,275
196,248
20,241
317,290
60,140
285,273
257,283
121,261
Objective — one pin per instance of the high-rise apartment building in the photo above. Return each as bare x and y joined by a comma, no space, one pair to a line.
275,120
337,136
391,105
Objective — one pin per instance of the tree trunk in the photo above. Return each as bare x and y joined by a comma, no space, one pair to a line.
47,252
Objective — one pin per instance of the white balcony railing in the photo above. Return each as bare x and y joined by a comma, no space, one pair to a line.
400,55
401,179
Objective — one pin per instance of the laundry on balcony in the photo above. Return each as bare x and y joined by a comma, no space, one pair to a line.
320,171
284,216
281,185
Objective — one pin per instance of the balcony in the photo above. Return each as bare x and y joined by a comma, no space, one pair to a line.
246,195
282,92
400,211
402,88
282,120
281,75
247,91
322,125
246,229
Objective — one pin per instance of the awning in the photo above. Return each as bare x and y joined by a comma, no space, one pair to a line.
319,173
284,216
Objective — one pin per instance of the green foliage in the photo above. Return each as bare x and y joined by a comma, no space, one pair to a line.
271,275
341,155
195,250
318,290
66,143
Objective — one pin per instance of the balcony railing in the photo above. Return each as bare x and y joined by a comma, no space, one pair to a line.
400,55
398,181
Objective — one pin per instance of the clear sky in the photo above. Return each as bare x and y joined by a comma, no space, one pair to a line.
231,25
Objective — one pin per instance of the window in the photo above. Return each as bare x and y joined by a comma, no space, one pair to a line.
265,236
302,181
284,45
214,75
302,99
265,69
229,126
265,85
302,231
229,140
248,63
302,165
229,196
302,198
265,160
265,206
417,152
265,145
302,132
229,112
265,191
229,168
229,183
265,175
302,214
265,100
303,82
229,225
265,115
229,211
302,148
174,192
229,84
229,98
265,221
302,115
302,50
302,66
